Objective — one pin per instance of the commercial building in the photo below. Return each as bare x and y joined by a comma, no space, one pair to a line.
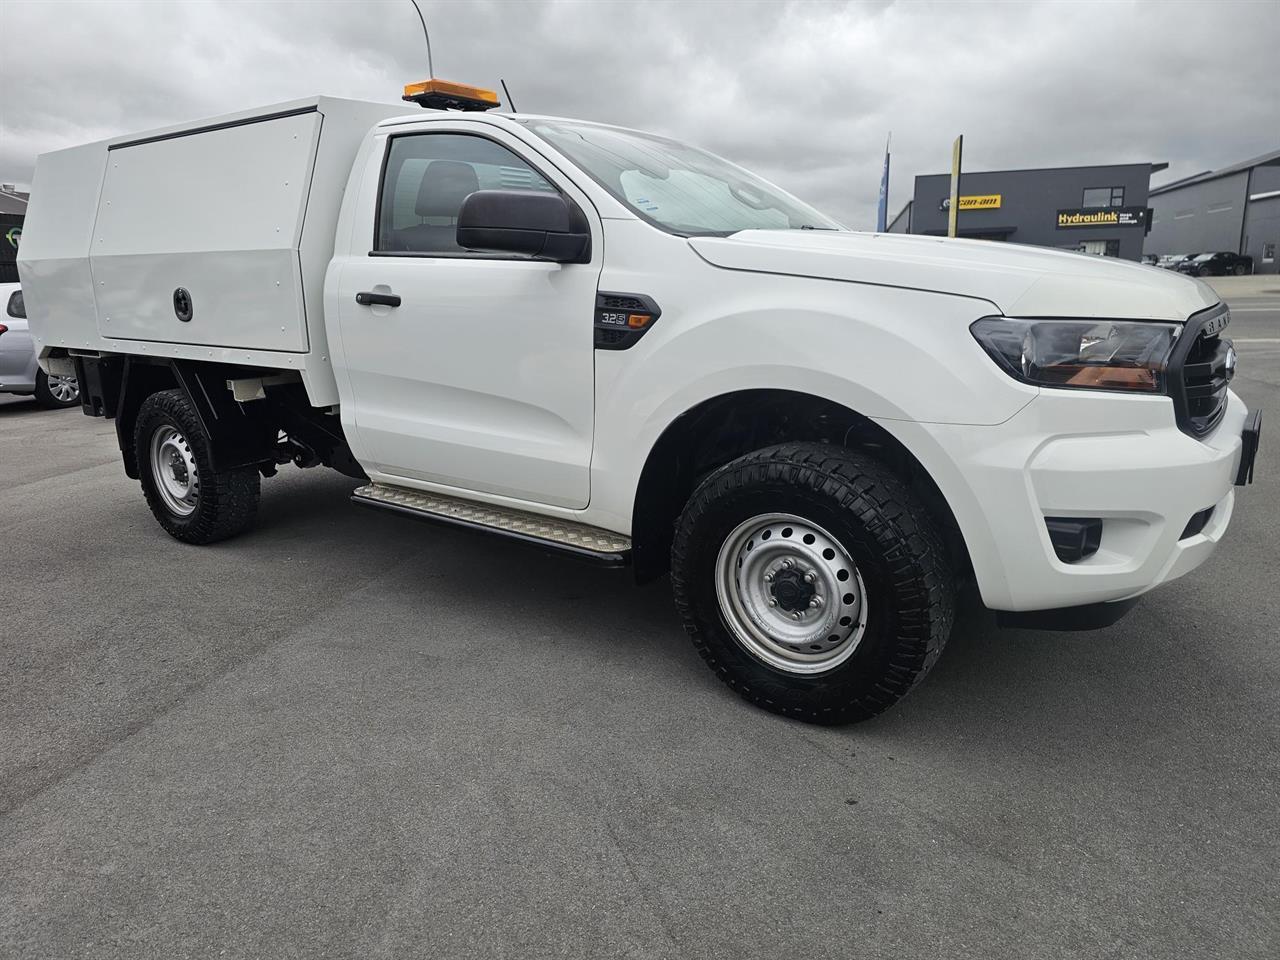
13,209
1236,209
1099,209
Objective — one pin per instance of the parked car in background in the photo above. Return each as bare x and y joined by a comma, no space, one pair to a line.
1218,264
19,372
1150,259
1170,261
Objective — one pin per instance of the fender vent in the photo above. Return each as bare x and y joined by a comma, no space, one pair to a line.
622,319
612,301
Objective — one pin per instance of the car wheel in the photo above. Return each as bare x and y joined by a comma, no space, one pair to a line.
1238,270
1202,271
812,582
192,501
56,392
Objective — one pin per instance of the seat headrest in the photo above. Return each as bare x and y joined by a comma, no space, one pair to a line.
445,184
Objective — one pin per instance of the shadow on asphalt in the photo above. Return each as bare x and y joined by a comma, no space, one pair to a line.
1016,685
16,405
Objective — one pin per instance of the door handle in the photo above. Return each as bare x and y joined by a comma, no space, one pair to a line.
368,299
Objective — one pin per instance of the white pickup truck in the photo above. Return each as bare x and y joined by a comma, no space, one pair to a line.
617,345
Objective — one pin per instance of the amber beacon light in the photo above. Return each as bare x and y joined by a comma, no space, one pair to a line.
446,95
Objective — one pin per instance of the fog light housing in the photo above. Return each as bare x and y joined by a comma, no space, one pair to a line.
1197,523
1074,538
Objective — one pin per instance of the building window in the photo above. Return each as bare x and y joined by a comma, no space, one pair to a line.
1269,252
1097,248
1103,197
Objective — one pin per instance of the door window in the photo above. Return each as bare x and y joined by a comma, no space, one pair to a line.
425,180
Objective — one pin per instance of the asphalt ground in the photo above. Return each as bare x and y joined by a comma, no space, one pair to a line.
343,735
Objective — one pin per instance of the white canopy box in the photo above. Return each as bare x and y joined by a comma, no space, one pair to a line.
207,240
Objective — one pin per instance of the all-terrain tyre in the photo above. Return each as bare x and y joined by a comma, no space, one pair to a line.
56,393
193,503
766,534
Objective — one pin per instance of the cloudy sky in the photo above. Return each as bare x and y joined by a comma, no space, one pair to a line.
803,93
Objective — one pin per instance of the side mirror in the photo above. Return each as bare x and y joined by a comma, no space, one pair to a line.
529,222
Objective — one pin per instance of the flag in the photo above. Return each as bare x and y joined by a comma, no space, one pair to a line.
882,214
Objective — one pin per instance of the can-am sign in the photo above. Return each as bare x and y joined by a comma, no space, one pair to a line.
990,201
1102,217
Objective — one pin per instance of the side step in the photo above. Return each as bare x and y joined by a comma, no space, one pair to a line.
564,536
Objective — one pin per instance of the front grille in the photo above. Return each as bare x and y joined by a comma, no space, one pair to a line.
1200,371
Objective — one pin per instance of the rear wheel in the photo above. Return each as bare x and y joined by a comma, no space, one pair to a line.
56,392
813,582
192,501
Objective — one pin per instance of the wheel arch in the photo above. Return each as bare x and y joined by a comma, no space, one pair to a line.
721,428
241,434
117,387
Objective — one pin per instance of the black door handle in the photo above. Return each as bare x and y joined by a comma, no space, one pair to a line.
368,299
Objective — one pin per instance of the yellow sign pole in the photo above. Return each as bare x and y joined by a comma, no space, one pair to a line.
953,210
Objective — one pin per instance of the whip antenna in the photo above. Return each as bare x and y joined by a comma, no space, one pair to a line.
511,103
426,36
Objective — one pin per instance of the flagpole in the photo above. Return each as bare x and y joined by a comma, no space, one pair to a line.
953,209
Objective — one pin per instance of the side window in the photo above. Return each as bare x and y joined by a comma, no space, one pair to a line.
426,178
17,307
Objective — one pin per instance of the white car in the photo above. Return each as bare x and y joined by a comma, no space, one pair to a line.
617,346
19,371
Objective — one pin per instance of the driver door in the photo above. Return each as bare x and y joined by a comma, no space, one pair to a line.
482,377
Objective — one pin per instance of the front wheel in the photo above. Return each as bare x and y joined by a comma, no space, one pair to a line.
56,392
813,582
192,501
1239,270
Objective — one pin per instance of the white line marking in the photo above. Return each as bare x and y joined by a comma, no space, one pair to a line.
1256,340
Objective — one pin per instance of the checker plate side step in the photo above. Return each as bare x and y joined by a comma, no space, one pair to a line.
564,536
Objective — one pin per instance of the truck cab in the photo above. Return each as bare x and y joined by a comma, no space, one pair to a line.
612,344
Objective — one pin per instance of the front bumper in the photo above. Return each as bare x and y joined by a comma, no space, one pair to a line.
1121,459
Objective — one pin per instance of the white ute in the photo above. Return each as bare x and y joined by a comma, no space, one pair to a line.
616,345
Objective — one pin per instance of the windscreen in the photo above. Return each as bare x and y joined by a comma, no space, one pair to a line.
679,188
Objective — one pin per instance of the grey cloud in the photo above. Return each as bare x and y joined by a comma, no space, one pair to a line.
802,93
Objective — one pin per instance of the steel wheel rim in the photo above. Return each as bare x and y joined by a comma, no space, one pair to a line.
173,466
791,561
63,389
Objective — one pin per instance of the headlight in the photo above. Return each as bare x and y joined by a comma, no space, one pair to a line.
1088,354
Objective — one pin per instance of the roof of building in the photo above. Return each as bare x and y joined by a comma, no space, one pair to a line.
901,213
1155,168
1259,161
13,201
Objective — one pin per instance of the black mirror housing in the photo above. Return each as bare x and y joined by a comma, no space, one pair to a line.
534,223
